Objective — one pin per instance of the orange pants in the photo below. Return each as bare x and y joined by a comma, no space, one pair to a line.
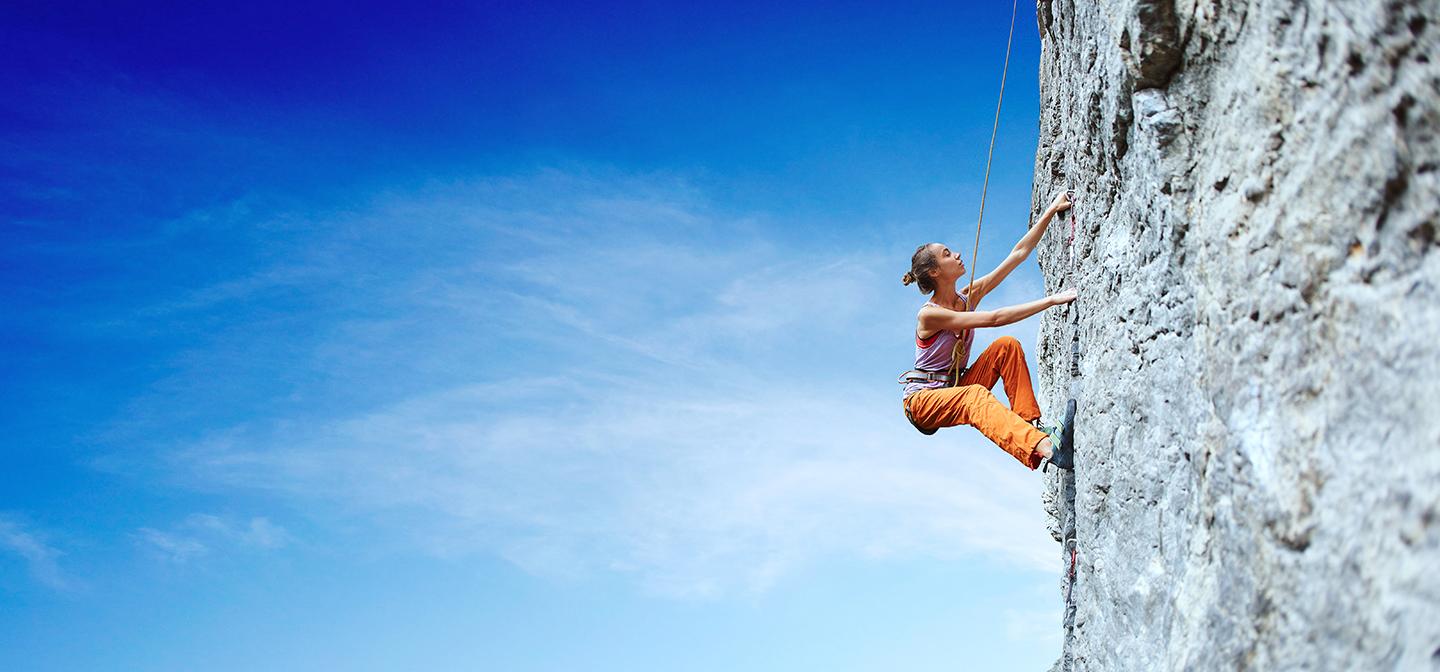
971,403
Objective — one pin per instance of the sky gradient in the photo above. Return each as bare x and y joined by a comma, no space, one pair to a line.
511,336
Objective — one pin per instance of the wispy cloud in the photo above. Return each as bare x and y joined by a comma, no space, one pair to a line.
172,547
40,557
200,534
695,492
593,373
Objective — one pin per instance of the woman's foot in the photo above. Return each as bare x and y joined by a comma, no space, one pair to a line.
1062,439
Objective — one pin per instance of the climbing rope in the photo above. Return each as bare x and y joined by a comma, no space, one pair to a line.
956,363
985,187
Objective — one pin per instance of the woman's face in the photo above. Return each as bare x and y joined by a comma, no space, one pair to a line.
950,268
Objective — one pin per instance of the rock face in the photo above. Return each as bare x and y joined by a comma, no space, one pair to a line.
1258,330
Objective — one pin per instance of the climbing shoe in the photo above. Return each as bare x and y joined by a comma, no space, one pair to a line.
1062,439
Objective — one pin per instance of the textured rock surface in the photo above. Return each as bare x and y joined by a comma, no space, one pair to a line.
1259,330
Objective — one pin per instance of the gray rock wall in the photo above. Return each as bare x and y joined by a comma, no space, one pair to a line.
1259,330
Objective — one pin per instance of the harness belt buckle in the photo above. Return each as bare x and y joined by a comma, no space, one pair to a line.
918,376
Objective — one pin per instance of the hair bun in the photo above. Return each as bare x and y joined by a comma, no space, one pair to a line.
909,278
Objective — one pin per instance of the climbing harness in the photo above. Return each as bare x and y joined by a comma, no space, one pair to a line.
927,431
920,376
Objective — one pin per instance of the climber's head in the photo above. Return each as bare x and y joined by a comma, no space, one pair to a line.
932,265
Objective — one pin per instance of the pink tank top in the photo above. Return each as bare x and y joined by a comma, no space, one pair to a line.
934,353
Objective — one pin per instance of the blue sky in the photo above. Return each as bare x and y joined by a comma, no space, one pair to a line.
514,336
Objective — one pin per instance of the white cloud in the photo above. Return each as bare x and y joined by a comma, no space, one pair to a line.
172,547
694,493
652,387
200,534
40,557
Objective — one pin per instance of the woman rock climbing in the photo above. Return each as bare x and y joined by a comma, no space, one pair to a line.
942,392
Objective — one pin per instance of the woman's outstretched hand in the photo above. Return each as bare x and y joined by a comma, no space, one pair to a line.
1064,297
1061,202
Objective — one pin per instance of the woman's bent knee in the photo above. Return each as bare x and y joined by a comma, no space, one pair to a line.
976,393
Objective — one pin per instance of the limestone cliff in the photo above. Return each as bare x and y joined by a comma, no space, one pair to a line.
1258,330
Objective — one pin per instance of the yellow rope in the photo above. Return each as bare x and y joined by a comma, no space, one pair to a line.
955,363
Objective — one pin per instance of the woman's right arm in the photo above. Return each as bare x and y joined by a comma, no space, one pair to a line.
934,317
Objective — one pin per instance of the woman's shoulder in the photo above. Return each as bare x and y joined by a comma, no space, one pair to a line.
928,307
964,305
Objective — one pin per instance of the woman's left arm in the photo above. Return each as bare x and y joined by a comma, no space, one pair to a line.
988,282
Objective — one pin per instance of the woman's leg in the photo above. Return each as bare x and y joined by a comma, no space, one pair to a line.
974,405
1005,360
